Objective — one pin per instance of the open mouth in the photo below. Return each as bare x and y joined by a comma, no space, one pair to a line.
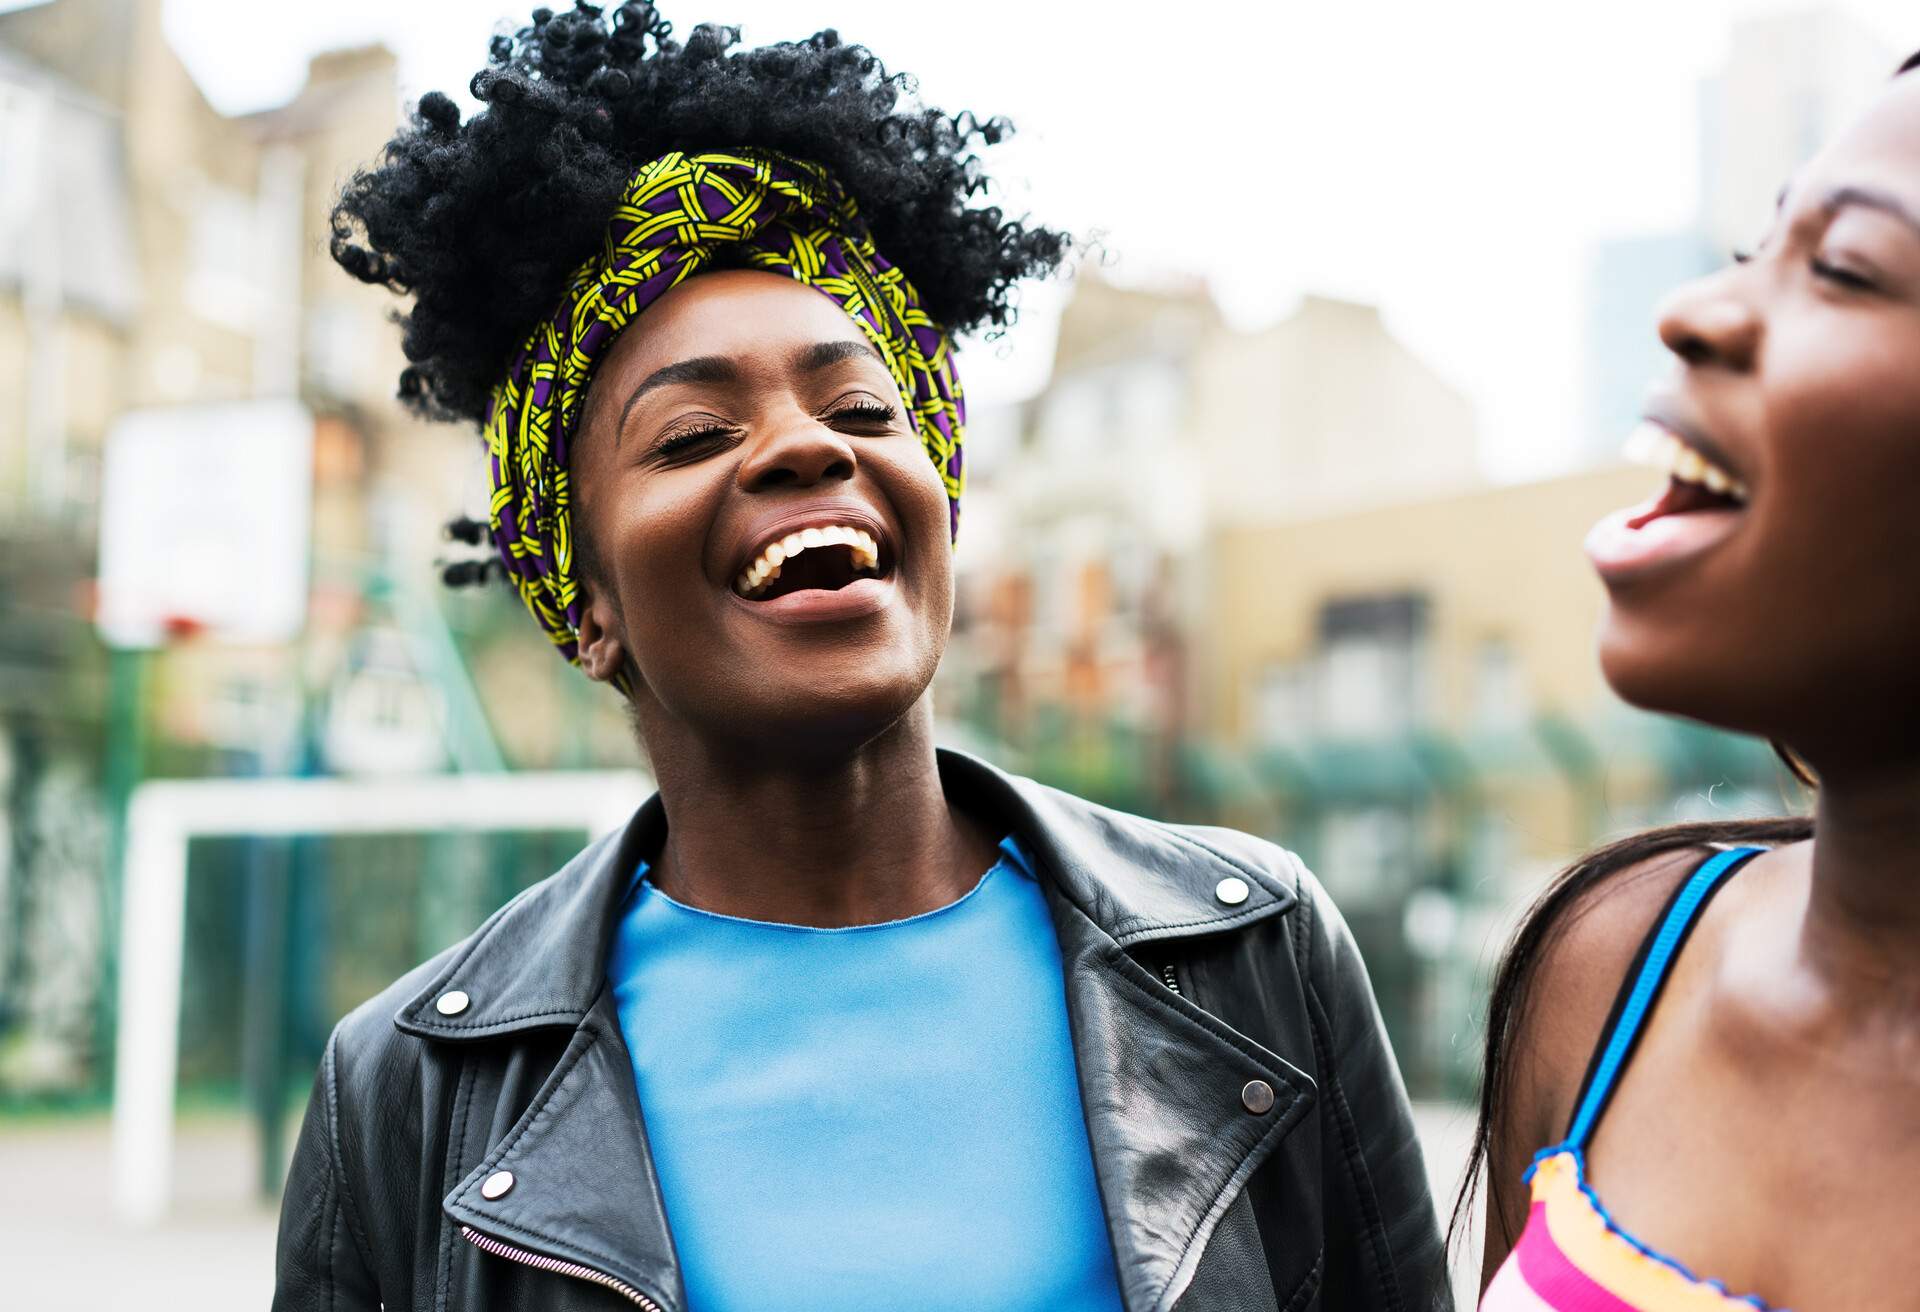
1694,483
1701,506
825,558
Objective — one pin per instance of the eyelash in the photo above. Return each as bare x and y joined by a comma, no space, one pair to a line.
686,437
1843,277
871,411
865,411
1832,273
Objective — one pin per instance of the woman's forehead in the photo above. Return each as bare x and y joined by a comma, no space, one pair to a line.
739,314
1881,147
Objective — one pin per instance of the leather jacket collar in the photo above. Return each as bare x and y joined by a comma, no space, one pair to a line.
1163,1083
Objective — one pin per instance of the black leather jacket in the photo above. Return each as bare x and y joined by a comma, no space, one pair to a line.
1187,1002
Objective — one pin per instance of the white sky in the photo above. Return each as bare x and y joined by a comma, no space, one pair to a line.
1452,162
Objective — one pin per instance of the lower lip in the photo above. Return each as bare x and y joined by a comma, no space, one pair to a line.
1621,552
859,598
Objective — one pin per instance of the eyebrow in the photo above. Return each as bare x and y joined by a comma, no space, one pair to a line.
823,355
1873,199
718,369
700,369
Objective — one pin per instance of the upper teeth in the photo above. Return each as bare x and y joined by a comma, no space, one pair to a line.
766,566
1652,445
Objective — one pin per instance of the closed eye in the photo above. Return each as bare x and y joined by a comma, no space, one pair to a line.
864,412
683,440
1843,277
1833,273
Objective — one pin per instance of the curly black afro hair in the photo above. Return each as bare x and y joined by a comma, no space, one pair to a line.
482,221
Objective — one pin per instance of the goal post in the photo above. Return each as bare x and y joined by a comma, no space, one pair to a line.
165,815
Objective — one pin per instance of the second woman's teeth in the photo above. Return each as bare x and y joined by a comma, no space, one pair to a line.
1656,447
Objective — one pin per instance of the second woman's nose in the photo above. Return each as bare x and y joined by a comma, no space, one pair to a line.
1712,321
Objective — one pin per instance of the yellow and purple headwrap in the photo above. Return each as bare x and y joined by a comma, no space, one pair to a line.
786,215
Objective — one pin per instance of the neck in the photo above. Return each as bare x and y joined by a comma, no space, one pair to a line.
1863,914
852,838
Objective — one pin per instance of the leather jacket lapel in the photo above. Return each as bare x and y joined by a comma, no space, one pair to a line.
1164,1084
581,1186
1233,1275
1174,1142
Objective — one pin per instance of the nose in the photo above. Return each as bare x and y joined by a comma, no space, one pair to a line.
1711,322
797,451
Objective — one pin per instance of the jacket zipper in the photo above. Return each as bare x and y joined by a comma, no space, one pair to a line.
1166,973
488,1244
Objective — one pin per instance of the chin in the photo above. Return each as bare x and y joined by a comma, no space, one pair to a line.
839,713
1668,678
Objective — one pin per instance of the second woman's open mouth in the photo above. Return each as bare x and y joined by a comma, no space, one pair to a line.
1700,506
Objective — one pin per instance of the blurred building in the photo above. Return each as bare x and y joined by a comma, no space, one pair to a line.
156,253
1791,81
1082,506
1324,411
1254,579
1415,693
1086,566
1205,574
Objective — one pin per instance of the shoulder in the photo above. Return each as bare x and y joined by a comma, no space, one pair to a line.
373,1055
1586,941
1144,843
1338,989
1308,944
361,1132
1316,926
369,1058
1138,878
1549,1005
1279,865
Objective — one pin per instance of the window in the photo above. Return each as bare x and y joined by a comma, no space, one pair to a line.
1373,666
221,273
1070,418
1147,401
1366,854
1282,705
1499,688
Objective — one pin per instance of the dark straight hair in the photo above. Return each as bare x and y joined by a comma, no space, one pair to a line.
1520,963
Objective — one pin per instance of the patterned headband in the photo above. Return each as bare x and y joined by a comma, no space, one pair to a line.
786,215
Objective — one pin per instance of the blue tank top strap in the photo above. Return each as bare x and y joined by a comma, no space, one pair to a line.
1641,988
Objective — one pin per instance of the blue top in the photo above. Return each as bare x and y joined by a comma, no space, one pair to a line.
877,1117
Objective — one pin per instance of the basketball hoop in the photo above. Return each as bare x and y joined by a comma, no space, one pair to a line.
204,515
181,628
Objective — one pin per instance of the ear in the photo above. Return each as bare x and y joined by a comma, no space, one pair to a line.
603,652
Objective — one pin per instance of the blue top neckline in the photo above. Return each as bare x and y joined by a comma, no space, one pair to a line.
1012,856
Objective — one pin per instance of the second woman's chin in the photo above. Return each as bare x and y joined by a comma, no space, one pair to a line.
1685,674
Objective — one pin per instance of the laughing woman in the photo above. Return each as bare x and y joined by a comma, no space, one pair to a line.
1704,1047
838,1021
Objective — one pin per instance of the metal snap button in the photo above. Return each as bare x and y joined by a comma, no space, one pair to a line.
499,1182
452,1003
1232,891
1257,1097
